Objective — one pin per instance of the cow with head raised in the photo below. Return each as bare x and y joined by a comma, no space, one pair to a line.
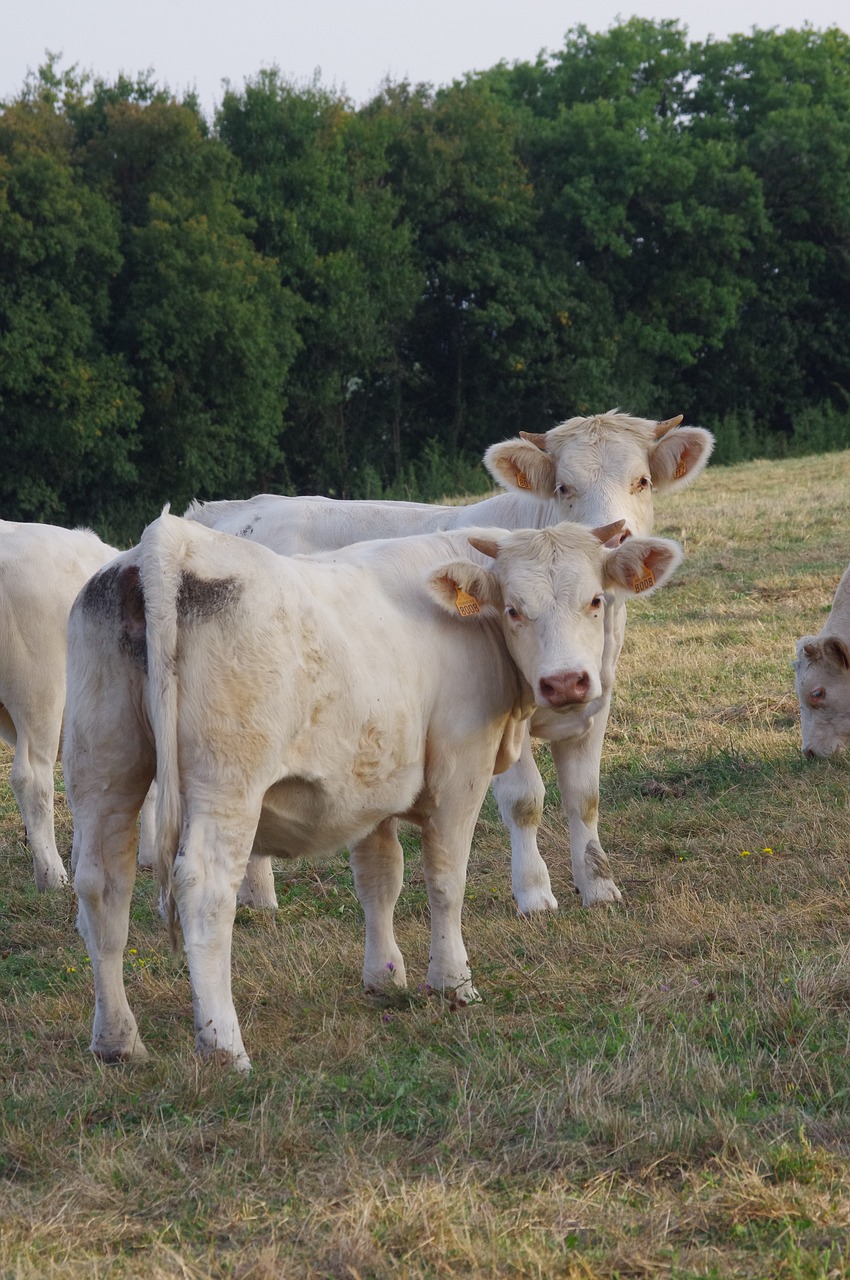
591,470
290,706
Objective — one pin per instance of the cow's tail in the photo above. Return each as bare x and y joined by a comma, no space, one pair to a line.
163,547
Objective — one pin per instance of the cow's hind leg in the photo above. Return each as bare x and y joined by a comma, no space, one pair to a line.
378,867
31,779
207,872
104,859
519,794
257,888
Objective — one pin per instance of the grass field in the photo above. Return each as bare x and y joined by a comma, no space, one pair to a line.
660,1090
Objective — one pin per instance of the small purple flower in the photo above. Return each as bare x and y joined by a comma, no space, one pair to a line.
389,965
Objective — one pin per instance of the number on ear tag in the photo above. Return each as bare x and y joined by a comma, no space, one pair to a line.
466,604
681,469
644,583
522,480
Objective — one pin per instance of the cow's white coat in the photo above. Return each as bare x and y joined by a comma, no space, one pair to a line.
42,567
294,706
822,679
589,470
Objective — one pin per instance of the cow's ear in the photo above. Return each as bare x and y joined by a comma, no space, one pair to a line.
679,457
640,565
836,651
519,464
809,647
464,588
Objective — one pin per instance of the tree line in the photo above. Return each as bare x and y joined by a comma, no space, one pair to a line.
299,295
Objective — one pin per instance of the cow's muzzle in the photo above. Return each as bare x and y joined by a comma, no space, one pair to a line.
568,688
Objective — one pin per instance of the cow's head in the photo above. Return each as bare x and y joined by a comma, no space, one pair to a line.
822,681
550,586
603,468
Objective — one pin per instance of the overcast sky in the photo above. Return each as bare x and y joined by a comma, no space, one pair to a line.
355,44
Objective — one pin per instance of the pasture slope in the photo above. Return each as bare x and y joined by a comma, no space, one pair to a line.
661,1090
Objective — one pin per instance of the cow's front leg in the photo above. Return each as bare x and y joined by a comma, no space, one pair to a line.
577,765
519,794
445,853
377,864
104,859
208,869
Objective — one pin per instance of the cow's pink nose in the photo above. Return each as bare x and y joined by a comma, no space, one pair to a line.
566,688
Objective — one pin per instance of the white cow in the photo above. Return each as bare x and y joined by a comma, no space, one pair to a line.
822,679
589,470
42,567
299,705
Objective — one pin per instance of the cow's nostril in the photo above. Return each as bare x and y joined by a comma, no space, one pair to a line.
809,753
565,688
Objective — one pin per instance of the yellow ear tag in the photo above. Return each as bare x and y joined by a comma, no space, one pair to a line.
681,470
466,604
522,480
644,583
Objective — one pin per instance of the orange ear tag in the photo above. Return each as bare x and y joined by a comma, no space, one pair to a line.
522,480
466,604
644,583
681,470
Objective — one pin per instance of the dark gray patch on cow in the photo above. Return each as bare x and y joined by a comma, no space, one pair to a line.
133,639
597,860
247,531
204,597
115,595
100,597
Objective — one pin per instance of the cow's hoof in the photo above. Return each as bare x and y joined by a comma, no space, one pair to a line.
223,1058
47,878
535,902
602,893
387,978
463,997
114,1055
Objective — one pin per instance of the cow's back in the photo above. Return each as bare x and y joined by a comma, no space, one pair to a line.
42,568
347,673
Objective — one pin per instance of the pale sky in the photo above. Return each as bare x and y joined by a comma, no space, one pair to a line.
354,44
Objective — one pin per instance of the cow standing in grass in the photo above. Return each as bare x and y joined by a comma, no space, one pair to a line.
293,706
589,470
42,567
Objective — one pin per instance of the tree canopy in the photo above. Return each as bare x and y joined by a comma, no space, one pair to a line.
301,295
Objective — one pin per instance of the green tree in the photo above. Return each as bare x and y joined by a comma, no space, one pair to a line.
783,99
315,185
649,224
68,408
200,316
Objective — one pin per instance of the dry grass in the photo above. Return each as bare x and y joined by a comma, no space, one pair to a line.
658,1091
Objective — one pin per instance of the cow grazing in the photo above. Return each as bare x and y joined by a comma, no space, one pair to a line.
822,679
294,706
589,470
42,567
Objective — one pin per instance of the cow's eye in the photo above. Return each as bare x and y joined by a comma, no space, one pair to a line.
564,491
817,695
596,602
643,484
512,613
